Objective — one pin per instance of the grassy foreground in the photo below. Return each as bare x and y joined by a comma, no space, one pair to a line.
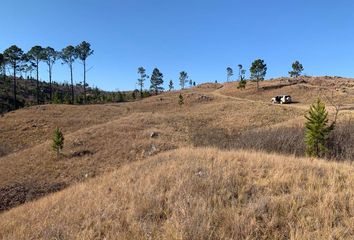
198,193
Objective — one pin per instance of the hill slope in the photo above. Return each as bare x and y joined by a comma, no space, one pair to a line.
198,194
104,140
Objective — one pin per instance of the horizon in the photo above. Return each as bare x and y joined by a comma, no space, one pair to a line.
202,38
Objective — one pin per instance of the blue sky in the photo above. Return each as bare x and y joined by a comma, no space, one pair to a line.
202,37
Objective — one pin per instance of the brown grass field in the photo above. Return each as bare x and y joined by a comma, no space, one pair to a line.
226,165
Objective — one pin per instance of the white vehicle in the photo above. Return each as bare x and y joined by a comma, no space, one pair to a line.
281,99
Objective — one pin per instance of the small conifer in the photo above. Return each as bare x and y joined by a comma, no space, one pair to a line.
180,100
317,130
242,84
58,141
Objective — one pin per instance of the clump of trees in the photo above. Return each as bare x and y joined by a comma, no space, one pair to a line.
18,61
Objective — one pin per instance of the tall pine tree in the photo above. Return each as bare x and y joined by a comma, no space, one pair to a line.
156,81
141,79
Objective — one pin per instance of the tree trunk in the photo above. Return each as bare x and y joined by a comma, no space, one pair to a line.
84,81
37,75
72,85
15,85
50,85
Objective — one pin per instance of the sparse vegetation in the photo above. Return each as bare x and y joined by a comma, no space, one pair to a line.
214,115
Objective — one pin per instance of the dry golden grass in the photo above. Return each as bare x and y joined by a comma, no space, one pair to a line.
198,194
304,91
99,139
121,183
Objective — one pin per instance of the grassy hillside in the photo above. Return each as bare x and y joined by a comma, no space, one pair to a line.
112,144
198,194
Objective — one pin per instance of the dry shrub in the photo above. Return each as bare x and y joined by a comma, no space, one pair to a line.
284,140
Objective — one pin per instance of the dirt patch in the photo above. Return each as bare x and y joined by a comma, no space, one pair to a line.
17,194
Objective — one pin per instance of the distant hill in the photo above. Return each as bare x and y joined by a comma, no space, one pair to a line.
27,93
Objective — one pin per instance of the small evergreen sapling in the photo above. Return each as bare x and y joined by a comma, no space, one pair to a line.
180,100
317,130
58,141
242,83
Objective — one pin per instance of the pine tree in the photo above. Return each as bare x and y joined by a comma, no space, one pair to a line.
180,100
83,51
258,71
35,56
141,80
58,141
170,86
317,130
230,73
183,78
297,69
156,81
